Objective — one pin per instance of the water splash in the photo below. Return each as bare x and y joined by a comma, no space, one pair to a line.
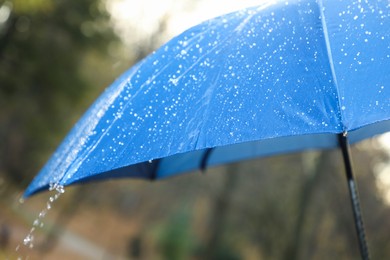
28,241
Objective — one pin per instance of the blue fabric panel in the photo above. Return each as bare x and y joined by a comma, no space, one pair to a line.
270,79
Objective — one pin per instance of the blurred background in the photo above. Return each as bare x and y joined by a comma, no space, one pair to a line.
57,56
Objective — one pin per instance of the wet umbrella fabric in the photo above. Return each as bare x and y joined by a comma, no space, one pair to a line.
271,79
264,80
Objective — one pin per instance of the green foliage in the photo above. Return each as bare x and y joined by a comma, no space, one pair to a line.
175,239
32,6
42,46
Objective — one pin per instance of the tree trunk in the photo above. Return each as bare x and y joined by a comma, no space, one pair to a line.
220,213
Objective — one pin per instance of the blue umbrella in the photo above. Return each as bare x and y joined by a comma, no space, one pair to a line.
271,79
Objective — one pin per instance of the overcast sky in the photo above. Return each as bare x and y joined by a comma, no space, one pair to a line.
134,18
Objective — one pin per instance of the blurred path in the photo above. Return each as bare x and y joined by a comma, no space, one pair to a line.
69,243
80,245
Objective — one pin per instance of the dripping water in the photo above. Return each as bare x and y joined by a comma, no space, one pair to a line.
28,240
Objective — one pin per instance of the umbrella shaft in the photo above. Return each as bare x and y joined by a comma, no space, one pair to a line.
354,197
358,219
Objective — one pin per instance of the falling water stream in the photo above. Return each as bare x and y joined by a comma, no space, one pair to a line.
28,240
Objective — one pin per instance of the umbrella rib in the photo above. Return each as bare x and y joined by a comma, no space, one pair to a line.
205,159
330,59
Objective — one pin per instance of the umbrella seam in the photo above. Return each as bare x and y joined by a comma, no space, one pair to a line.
330,59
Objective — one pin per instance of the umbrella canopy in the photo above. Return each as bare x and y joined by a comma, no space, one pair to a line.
276,78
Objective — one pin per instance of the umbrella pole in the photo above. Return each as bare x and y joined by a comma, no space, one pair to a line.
353,192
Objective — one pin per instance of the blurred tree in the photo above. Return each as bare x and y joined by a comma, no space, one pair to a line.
42,46
292,211
216,246
175,240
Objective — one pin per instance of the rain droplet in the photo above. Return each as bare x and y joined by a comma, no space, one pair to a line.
28,241
38,222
